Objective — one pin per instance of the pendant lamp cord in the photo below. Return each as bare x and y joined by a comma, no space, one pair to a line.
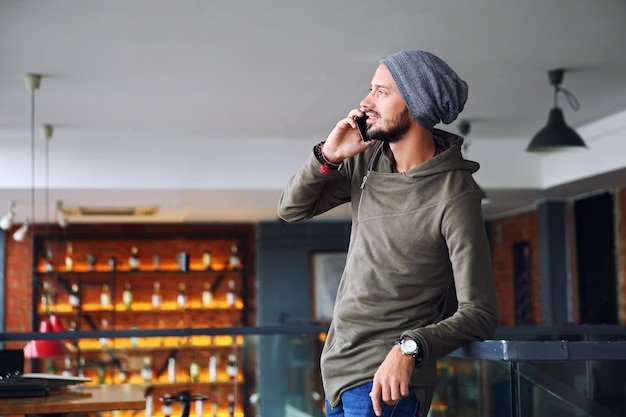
571,98
32,166
47,190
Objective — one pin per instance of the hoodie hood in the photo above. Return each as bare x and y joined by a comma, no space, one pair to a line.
450,157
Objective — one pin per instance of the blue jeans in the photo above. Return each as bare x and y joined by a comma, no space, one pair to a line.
356,402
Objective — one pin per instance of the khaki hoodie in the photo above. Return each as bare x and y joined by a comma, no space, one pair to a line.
415,238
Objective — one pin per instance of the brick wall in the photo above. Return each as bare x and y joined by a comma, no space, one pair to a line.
504,233
18,281
524,227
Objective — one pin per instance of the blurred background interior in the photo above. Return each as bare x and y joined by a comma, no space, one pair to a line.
145,145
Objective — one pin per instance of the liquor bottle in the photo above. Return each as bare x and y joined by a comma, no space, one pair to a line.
105,326
156,295
213,369
181,298
74,297
183,260
234,261
122,376
194,370
207,260
91,261
231,404
69,261
199,408
112,262
231,296
149,405
146,370
46,296
171,369
127,296
101,373
166,408
156,262
81,367
48,266
207,295
52,367
67,367
133,260
105,296
231,366
214,407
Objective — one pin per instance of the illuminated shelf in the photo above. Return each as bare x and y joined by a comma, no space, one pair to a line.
118,360
222,307
126,271
156,343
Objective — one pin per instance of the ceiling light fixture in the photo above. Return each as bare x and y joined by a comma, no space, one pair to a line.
33,81
110,210
20,233
557,136
464,129
7,220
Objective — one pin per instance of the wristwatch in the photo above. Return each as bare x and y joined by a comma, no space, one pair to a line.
410,346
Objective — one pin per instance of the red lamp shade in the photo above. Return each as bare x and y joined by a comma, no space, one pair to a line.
57,326
44,348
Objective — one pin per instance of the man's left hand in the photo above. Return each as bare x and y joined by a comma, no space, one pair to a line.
391,380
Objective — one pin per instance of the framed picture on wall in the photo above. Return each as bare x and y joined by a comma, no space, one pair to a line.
326,270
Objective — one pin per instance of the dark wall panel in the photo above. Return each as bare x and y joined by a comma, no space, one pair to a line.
284,296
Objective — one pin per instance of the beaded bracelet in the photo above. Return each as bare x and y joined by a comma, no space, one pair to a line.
326,166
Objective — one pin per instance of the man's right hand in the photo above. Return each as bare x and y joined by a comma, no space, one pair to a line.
344,141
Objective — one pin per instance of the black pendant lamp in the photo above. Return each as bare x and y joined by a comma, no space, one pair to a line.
557,136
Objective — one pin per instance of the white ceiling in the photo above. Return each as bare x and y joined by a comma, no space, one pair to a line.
206,108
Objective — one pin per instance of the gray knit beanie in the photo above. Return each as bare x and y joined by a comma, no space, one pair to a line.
432,91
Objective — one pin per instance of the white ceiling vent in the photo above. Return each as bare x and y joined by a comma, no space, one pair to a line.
110,211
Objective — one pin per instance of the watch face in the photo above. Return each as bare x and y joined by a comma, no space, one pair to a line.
409,346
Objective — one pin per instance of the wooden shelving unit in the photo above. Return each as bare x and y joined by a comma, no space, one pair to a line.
72,271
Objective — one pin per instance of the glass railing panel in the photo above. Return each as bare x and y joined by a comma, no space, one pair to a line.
288,375
574,375
487,388
274,372
471,388
535,399
595,386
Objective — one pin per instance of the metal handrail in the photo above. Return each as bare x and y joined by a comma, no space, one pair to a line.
497,349
537,350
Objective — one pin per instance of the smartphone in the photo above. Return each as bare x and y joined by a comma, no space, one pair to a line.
362,124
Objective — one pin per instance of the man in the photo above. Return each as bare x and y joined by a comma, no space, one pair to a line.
418,282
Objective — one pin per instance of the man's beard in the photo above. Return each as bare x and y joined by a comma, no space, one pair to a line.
398,126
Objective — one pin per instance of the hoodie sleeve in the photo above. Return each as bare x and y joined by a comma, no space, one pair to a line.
476,316
310,192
